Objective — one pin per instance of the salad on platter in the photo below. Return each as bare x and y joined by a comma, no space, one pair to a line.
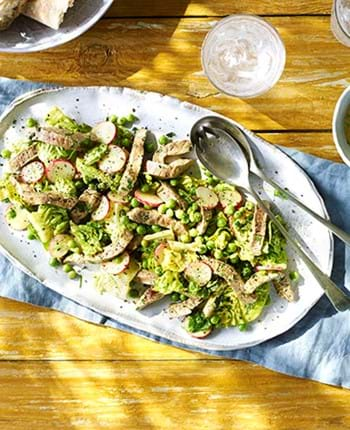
146,217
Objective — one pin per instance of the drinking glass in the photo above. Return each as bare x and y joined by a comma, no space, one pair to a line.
340,21
243,56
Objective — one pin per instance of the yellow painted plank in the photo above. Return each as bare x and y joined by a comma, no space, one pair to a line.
164,395
164,55
33,333
318,144
217,8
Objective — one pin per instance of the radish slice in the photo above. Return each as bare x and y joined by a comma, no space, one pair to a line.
158,252
102,210
32,172
104,132
198,272
60,245
118,265
148,199
63,169
198,334
207,198
114,161
16,218
230,197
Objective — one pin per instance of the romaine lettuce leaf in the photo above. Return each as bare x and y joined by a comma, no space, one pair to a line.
48,221
88,236
57,118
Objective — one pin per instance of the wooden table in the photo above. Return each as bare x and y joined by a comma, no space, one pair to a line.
57,372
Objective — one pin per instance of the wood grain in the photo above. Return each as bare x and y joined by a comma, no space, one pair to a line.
209,395
164,55
218,8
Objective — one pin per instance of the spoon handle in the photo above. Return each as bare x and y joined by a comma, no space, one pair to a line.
337,297
341,234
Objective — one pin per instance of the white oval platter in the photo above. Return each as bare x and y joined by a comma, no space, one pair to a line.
162,114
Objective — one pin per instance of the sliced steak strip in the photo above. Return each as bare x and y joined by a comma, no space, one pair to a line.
23,158
260,278
284,288
134,164
148,297
182,309
59,137
166,193
258,231
88,201
153,217
114,249
207,215
146,277
168,171
178,147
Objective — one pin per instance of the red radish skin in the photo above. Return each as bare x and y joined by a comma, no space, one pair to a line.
114,161
159,250
148,199
116,267
102,210
60,168
33,172
104,132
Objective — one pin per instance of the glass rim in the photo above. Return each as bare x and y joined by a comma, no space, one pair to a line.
346,33
282,59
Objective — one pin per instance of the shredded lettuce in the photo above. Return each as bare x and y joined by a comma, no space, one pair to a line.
57,118
65,186
48,221
47,153
95,154
88,236
91,174
169,282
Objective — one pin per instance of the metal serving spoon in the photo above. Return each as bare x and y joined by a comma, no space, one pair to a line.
254,167
223,156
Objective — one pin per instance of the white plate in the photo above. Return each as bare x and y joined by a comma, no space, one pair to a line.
27,35
162,114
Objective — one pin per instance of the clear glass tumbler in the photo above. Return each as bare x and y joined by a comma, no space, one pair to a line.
340,21
243,56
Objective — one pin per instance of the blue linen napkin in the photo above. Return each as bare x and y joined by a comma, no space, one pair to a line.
318,347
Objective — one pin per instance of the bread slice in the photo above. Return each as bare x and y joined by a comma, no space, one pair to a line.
9,11
48,12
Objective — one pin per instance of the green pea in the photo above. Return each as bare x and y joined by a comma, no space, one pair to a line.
126,142
31,122
5,153
124,220
156,228
145,188
210,245
113,118
230,210
144,263
183,297
147,207
163,140
243,327
67,268
249,205
150,147
218,254
195,217
193,232
185,238
133,225
72,244
232,247
131,117
211,181
175,297
194,207
162,208
158,271
173,182
169,213
122,121
72,274
171,204
134,203
54,262
179,213
185,219
133,293
221,222
202,250
215,319
141,229
31,236
234,259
